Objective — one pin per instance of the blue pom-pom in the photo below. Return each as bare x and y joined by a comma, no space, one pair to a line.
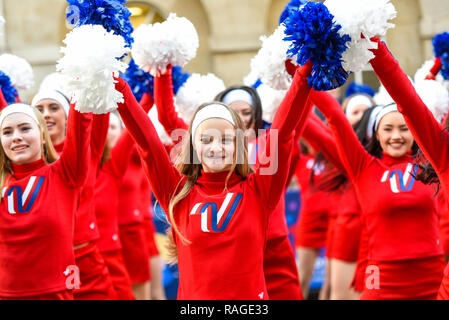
113,15
445,65
9,92
441,44
293,5
139,81
359,88
178,78
315,36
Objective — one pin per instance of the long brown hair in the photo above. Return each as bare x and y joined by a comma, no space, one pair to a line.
190,167
48,152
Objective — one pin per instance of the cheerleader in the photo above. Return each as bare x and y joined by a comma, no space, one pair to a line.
40,197
217,268
405,257
95,279
430,135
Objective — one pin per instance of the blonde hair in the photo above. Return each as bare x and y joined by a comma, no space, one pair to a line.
48,152
190,167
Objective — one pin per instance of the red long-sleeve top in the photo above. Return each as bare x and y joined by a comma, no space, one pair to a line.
36,233
400,213
223,226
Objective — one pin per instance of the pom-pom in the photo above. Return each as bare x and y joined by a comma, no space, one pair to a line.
435,97
359,88
197,90
113,15
138,80
251,79
423,71
441,49
90,62
179,77
291,6
357,17
316,37
9,92
174,41
56,81
18,70
271,99
269,63
159,128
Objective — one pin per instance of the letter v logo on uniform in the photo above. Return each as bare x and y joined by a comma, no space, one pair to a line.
22,197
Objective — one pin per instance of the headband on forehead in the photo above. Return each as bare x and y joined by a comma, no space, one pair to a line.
357,100
18,108
237,95
53,95
371,121
208,112
383,112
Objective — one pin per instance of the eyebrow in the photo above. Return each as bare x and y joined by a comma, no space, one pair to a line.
19,125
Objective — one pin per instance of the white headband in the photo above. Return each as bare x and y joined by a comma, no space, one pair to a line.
53,95
357,100
383,112
18,108
371,120
237,95
208,112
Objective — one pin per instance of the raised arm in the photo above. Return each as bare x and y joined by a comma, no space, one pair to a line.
100,126
74,161
428,133
155,160
272,175
352,154
147,102
164,98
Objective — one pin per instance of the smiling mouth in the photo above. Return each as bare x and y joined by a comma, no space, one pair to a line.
19,148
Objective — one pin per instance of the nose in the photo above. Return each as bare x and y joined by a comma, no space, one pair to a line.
16,136
45,113
396,135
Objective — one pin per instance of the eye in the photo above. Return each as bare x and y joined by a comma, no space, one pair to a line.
26,128
54,108
206,139
227,140
6,132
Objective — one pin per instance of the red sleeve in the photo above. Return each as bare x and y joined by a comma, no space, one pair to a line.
155,160
147,102
320,138
74,161
274,173
352,154
100,126
435,69
3,103
121,154
426,130
164,99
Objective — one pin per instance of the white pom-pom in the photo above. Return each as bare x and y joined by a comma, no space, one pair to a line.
271,99
174,41
197,90
91,62
158,126
269,63
56,81
382,97
18,70
251,78
435,97
356,17
424,70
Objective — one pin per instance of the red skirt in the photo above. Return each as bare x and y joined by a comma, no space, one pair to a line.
62,295
312,229
150,236
417,279
346,240
443,292
119,275
95,281
135,252
281,274
330,237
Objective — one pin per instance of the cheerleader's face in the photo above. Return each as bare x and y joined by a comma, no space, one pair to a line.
245,111
215,144
356,113
21,138
55,118
394,136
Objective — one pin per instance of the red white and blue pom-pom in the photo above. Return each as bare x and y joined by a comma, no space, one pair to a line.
172,42
113,15
18,69
91,60
315,37
441,50
9,92
179,77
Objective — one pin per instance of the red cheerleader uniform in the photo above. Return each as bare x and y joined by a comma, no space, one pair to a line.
219,268
401,215
430,136
37,216
280,270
